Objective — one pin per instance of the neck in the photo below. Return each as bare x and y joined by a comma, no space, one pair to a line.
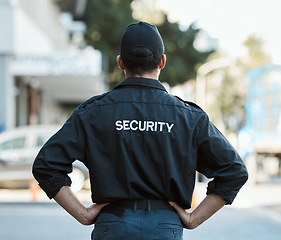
152,75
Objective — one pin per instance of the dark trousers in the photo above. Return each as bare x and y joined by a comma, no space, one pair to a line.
136,223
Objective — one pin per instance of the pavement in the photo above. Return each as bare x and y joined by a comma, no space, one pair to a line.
266,195
35,196
254,215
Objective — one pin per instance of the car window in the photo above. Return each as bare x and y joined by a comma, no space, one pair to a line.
16,143
42,139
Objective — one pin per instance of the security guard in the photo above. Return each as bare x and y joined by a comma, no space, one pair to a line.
142,147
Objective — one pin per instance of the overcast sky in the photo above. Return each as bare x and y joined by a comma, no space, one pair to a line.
232,21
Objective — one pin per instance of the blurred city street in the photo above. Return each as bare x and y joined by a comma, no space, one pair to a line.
56,54
255,214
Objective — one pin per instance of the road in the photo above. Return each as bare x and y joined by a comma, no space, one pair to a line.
255,215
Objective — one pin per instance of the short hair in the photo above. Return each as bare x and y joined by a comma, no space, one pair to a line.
138,68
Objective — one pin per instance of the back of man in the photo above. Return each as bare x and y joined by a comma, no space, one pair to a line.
142,147
139,153
142,143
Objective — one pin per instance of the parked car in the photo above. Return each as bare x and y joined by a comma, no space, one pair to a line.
18,149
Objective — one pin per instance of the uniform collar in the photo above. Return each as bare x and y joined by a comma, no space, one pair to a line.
139,81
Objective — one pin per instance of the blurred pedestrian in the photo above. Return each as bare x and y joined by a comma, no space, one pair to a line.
142,147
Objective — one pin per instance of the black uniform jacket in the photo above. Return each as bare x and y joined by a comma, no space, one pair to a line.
139,142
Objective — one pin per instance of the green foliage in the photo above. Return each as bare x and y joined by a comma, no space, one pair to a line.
182,57
230,100
106,21
256,54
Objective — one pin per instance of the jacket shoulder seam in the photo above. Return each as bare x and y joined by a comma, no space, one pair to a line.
91,100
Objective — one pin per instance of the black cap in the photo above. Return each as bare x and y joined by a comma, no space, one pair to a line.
141,34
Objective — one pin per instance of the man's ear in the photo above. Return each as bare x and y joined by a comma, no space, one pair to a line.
162,62
120,62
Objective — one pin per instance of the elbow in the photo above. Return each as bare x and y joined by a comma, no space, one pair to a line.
34,172
244,176
35,169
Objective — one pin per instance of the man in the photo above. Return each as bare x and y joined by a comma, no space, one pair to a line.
143,147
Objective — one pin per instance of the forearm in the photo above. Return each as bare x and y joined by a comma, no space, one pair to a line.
67,199
209,206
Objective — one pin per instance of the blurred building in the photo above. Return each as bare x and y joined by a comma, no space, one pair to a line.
45,67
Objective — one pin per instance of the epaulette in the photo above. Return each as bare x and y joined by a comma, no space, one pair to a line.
189,103
92,99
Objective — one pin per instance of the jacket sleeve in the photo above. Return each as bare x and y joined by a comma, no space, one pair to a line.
54,160
217,159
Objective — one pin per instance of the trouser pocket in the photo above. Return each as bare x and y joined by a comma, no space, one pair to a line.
170,231
108,230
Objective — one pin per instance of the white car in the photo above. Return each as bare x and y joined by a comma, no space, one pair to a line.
18,149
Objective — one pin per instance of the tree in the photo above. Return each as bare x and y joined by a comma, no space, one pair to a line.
227,87
226,98
182,57
256,55
106,20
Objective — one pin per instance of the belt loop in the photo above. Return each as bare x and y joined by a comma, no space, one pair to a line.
148,206
135,205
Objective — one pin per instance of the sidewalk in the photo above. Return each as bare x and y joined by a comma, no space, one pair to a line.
254,215
27,196
267,195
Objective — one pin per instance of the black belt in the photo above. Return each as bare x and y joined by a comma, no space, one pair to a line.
147,204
